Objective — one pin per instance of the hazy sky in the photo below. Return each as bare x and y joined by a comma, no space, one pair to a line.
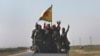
18,17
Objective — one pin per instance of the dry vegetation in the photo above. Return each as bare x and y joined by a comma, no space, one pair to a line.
8,51
87,50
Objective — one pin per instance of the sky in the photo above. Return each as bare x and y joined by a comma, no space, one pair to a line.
18,17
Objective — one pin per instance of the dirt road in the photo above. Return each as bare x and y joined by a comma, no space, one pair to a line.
72,53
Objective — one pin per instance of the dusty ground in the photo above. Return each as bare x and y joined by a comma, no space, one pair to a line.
10,53
84,53
74,53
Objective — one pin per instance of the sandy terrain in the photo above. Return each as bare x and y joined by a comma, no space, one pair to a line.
84,53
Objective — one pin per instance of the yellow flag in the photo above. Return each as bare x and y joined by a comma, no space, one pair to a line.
47,15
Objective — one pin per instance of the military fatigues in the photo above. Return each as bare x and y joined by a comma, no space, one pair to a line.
51,47
65,43
56,39
38,37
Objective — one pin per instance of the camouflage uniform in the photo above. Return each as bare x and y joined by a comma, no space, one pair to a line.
51,47
56,39
39,40
64,41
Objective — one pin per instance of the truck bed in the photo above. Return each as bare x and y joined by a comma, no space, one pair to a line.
50,54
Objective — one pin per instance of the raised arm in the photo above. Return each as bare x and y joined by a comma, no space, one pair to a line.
58,25
32,36
67,29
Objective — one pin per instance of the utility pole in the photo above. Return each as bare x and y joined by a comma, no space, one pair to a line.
90,43
73,42
90,40
80,41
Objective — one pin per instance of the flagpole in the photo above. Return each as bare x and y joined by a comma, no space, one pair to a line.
51,23
51,17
